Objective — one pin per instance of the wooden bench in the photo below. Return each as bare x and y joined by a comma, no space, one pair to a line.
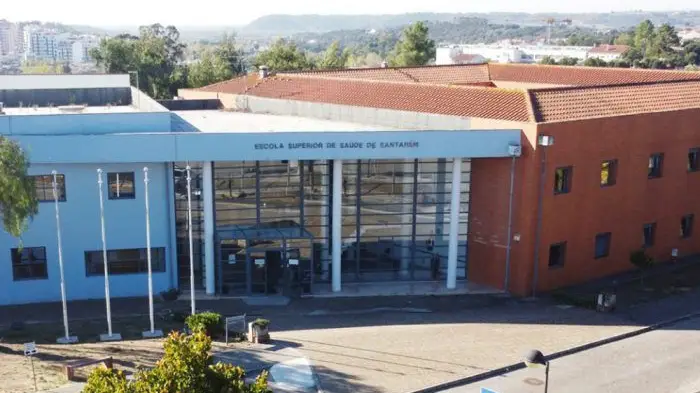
72,366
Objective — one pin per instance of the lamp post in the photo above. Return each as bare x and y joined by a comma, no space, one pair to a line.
535,358
543,141
110,335
152,333
67,338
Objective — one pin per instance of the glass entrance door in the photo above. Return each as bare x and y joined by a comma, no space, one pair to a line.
266,271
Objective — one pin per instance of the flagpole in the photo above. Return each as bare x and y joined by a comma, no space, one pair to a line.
153,332
189,226
109,336
67,338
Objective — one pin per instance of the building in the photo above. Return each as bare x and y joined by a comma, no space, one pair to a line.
7,37
40,44
451,178
506,52
81,49
608,52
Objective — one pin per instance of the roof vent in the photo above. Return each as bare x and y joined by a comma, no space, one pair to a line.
72,108
264,72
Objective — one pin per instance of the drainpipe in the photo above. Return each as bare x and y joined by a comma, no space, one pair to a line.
514,151
544,142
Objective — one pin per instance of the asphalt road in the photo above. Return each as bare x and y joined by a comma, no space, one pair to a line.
661,361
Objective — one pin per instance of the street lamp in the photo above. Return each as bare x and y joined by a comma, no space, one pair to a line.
535,358
543,141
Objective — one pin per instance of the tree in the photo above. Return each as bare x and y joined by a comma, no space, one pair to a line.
18,202
595,62
371,59
230,55
334,58
568,61
548,60
665,41
221,63
644,37
642,261
691,52
415,47
283,56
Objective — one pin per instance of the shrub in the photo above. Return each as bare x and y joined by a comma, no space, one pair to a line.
185,367
170,295
207,322
261,323
102,380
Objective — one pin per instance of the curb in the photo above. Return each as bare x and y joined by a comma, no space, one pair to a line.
520,365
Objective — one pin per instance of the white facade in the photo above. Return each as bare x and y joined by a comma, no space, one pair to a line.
7,37
509,53
39,44
81,49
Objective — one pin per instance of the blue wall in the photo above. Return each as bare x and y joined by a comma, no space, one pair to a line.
80,224
88,123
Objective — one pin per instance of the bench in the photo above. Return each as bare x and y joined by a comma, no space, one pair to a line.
72,366
235,324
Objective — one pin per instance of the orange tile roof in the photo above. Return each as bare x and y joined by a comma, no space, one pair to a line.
562,104
464,101
462,90
582,76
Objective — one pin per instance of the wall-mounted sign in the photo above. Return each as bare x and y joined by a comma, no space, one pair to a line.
354,145
231,259
293,262
260,262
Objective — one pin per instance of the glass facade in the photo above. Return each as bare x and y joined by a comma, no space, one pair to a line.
273,222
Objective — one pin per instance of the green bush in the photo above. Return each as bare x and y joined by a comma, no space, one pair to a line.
103,380
186,366
207,322
261,323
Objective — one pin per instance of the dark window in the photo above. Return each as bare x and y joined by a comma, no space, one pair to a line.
127,261
557,253
602,244
687,225
562,180
43,186
608,173
29,263
694,159
121,185
656,163
649,234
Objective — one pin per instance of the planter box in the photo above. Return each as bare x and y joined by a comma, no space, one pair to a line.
257,334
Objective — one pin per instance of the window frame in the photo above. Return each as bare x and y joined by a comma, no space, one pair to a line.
14,255
694,165
612,173
562,255
60,185
95,268
607,237
112,176
659,173
688,233
568,173
652,226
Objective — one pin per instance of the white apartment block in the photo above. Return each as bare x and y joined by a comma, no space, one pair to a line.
39,44
81,49
8,37
510,53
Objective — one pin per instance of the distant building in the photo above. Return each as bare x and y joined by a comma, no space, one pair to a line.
608,52
6,37
507,52
81,49
39,44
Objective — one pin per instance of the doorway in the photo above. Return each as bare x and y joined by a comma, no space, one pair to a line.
266,268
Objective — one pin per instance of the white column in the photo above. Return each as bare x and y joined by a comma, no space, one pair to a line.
208,207
325,194
454,224
336,231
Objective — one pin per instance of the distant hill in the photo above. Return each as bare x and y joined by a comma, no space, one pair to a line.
284,25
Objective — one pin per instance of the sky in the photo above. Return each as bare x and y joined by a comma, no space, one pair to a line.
239,12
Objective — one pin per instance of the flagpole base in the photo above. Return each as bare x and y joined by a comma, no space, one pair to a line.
113,337
67,340
152,334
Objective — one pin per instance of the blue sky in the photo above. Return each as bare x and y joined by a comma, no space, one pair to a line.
236,12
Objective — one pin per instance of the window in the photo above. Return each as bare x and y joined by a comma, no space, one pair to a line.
127,261
687,226
562,180
43,187
602,245
121,185
29,263
656,162
694,159
649,234
608,173
557,253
